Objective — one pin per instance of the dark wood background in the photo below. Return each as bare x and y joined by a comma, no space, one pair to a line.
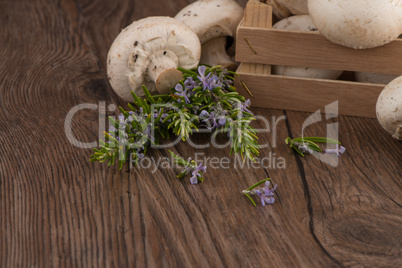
57,209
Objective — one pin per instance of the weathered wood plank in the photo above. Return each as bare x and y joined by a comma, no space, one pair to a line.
47,197
57,209
355,206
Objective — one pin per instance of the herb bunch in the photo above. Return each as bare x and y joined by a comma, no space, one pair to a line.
205,98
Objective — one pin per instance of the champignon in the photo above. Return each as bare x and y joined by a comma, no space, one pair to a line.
213,53
374,78
357,24
283,8
148,53
301,23
211,19
296,7
279,11
389,108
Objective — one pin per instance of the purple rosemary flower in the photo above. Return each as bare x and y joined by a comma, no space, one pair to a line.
156,114
221,120
266,194
202,77
181,93
212,119
208,118
224,81
245,105
197,173
213,82
140,155
338,150
189,83
208,82
303,147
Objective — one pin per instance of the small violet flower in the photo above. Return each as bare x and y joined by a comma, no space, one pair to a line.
202,77
182,93
213,82
156,114
266,194
338,150
212,119
221,121
140,155
224,81
197,173
245,105
303,147
189,83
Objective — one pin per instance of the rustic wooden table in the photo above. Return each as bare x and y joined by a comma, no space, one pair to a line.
57,209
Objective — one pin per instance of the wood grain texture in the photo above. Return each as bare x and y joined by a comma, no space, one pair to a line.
57,209
260,15
303,94
313,50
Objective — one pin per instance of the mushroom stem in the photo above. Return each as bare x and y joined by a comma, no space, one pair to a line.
214,53
162,69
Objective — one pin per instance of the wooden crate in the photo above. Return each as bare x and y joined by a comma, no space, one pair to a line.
258,46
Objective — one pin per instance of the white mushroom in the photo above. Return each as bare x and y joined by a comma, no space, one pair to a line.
374,78
148,53
278,10
357,23
283,8
301,23
389,108
211,19
297,7
213,53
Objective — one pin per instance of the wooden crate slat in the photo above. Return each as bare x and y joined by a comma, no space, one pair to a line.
257,14
309,95
278,47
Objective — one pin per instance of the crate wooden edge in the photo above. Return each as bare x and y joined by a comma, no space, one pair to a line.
308,95
293,93
266,46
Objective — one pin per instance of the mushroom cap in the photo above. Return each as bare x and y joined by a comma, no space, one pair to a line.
297,7
357,24
136,45
283,8
279,11
213,53
374,78
389,108
212,18
301,23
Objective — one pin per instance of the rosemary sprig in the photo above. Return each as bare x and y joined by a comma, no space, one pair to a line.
205,98
265,193
307,145
189,167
